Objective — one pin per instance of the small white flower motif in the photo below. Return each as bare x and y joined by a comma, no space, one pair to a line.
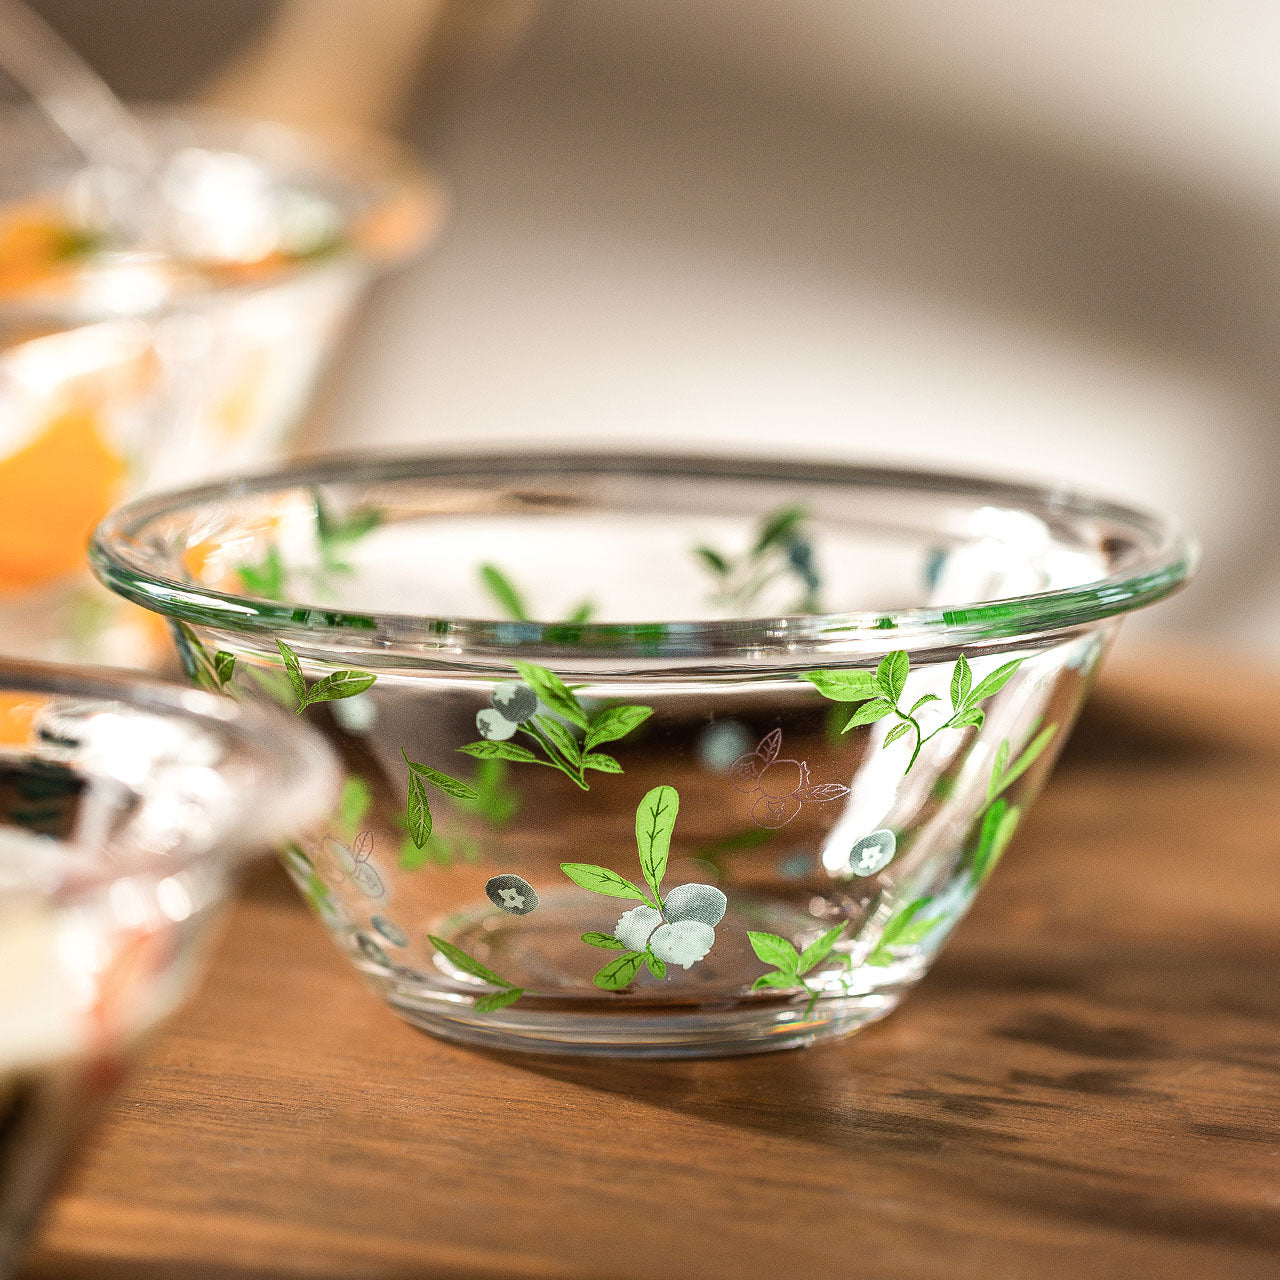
511,704
635,927
683,943
873,852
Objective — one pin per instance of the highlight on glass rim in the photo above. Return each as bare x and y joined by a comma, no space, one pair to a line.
548,547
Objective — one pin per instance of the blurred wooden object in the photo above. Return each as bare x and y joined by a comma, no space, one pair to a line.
1087,1084
357,63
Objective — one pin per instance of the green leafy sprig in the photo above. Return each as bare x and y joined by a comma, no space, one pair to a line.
789,965
265,579
335,534
881,694
559,745
507,992
780,550
418,811
337,684
512,602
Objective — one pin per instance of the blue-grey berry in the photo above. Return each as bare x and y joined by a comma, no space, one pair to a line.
516,701
683,943
512,894
873,853
372,951
702,902
494,726
391,931
636,925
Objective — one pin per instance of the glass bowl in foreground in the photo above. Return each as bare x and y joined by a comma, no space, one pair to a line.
126,809
645,755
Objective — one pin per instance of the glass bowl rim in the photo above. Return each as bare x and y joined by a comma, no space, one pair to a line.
298,756
773,642
374,161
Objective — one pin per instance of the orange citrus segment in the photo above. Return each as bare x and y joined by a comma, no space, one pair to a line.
52,493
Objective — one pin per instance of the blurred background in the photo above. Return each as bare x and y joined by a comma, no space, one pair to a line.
998,235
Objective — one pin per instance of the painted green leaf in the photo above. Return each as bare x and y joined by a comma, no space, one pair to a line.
620,972
844,686
442,781
961,683
353,803
499,751
971,716
896,732
891,674
340,684
713,560
561,738
419,811
553,692
582,613
923,701
775,951
499,1000
818,950
294,669
503,590
605,941
998,767
869,713
224,665
602,761
655,821
777,527
774,979
998,827
1033,752
266,580
993,683
602,880
656,967
901,921
468,964
195,660
613,723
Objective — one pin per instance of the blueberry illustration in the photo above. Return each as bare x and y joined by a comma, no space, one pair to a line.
391,931
635,927
512,894
702,902
873,853
683,943
514,701
494,726
372,951
355,715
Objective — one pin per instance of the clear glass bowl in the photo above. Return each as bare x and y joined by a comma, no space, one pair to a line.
186,351
649,755
127,807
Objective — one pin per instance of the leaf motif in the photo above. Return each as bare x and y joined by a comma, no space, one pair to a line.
468,964
195,660
602,880
713,560
869,713
891,674
961,683
775,979
503,590
294,669
340,684
499,751
560,738
655,821
656,967
769,747
843,686
224,665
499,1000
997,770
971,716
419,811
993,683
896,732
776,527
600,760
1033,752
920,702
775,951
553,692
898,924
582,613
441,781
818,950
822,792
605,941
613,723
620,972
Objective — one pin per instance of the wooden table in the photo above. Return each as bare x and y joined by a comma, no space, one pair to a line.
1087,1085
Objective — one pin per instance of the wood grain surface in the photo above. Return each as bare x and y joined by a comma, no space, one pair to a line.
1087,1084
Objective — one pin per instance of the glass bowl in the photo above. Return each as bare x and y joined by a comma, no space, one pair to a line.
126,809
649,755
185,352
